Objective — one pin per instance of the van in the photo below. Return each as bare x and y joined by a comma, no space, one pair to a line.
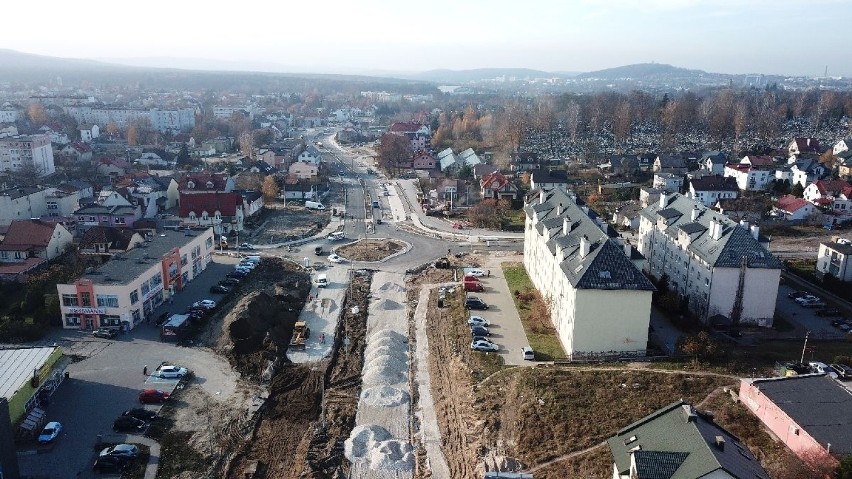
527,353
314,205
322,281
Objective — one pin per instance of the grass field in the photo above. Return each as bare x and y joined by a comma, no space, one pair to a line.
541,337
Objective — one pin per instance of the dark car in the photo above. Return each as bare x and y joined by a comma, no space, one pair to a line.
474,303
110,464
236,274
153,396
219,289
128,424
229,282
479,331
828,312
140,413
108,333
163,318
318,251
797,294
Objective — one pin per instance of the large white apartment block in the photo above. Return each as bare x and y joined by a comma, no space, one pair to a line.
128,288
37,202
226,112
749,178
22,151
835,259
601,303
162,120
717,265
8,115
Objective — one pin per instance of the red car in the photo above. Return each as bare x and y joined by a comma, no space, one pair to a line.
153,396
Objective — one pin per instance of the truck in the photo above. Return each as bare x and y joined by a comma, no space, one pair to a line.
301,332
314,205
471,283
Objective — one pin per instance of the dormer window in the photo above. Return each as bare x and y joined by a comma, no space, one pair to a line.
209,185
190,184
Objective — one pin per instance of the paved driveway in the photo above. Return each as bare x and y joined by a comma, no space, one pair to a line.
108,378
506,328
805,318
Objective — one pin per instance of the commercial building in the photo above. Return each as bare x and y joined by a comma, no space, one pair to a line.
27,151
128,288
718,266
600,301
27,375
680,442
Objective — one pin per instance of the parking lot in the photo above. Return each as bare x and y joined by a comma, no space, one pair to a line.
109,375
807,318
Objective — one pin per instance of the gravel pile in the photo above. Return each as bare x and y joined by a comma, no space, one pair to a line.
373,447
384,396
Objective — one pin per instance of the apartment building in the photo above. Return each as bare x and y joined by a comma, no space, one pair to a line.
129,287
601,303
834,259
172,120
21,151
719,266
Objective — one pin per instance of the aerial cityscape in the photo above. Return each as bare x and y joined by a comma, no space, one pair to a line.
560,241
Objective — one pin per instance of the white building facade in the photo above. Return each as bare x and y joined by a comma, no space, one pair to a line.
601,303
718,266
20,151
834,259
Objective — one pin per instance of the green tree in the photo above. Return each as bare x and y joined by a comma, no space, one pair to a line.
797,190
844,469
183,158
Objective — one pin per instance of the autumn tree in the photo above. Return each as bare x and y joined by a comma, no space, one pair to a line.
36,113
132,135
393,152
111,129
622,125
512,125
699,346
270,189
246,143
489,213
247,180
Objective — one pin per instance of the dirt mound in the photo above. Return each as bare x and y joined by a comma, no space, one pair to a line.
385,396
389,305
392,287
370,250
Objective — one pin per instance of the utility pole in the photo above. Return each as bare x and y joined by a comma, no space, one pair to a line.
805,347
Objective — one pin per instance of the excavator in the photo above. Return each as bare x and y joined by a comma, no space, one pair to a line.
301,332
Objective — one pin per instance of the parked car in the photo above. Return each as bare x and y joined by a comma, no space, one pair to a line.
236,274
168,371
823,368
797,294
817,303
828,312
527,353
483,345
843,371
140,413
246,246
126,451
50,432
163,318
107,333
219,289
479,331
128,424
153,396
335,259
472,302
478,321
110,464
229,282
204,303
806,298
475,272
318,250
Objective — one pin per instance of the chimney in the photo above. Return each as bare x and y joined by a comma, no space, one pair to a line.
566,226
755,232
628,250
663,200
541,197
745,224
585,246
559,210
720,443
695,213
715,229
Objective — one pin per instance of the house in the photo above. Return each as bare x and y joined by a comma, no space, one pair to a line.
418,135
152,159
482,169
129,287
222,211
28,202
714,162
524,161
842,146
601,303
252,201
57,136
120,216
792,208
303,170
29,374
34,239
668,182
718,267
834,195
78,152
469,158
310,155
194,182
450,190
834,259
623,165
627,216
809,413
680,442
708,190
844,164
758,161
670,164
800,146
497,186
89,132
547,180
27,151
106,240
648,196
154,194
110,197
805,171
749,178
423,160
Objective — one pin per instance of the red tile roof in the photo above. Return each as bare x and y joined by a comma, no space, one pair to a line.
225,203
488,180
28,233
405,127
756,160
833,187
200,181
791,203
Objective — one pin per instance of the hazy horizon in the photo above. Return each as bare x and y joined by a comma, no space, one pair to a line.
783,37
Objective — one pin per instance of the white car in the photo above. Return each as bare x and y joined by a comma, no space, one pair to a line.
335,259
483,345
168,371
475,272
478,321
204,303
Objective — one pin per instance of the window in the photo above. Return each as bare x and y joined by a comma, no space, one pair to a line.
119,220
145,288
157,279
107,300
72,320
87,299
110,320
51,205
134,296
209,242
183,260
137,316
70,300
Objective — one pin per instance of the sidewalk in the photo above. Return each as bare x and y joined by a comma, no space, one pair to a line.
321,314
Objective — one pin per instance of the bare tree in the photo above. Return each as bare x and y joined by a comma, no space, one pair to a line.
572,119
513,123
623,125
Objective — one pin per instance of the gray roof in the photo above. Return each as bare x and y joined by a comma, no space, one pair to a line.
735,243
469,157
16,368
678,442
107,210
446,159
548,176
605,266
125,267
818,404
842,248
714,183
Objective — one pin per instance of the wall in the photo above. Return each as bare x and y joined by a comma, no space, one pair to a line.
605,312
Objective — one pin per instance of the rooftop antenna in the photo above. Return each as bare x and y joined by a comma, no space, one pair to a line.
826,72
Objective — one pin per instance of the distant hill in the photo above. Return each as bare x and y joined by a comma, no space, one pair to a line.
644,71
479,74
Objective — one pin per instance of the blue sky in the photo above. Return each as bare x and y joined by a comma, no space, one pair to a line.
728,36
